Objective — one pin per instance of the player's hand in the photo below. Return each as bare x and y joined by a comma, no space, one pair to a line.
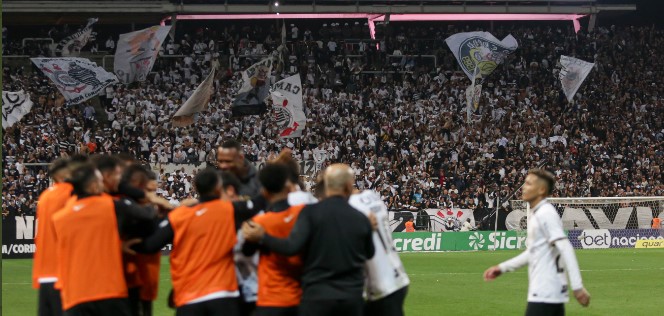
492,273
252,231
126,245
582,296
373,221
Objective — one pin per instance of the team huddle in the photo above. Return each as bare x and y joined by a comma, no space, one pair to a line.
102,228
252,243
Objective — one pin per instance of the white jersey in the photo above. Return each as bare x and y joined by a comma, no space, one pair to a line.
301,197
547,280
385,272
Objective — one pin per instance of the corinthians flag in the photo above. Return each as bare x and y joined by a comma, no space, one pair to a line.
137,52
481,50
196,103
250,99
287,106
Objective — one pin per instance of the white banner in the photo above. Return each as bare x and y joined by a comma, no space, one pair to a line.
573,73
78,79
480,49
72,44
250,99
287,105
14,106
196,103
137,52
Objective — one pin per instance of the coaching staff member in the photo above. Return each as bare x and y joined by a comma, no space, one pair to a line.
335,241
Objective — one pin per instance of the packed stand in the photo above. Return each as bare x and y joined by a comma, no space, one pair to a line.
402,126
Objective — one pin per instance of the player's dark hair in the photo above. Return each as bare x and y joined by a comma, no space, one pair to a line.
57,166
229,180
231,143
137,172
78,159
105,162
274,176
81,177
126,157
206,181
293,171
545,176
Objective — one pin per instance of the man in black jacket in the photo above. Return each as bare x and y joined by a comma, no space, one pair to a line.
335,240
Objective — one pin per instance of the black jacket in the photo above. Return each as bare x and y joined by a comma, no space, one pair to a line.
335,241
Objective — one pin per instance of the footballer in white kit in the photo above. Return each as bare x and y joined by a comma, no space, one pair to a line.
549,254
387,281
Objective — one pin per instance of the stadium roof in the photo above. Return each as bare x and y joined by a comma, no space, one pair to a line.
122,11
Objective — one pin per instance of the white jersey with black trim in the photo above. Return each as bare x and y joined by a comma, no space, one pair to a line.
547,280
385,272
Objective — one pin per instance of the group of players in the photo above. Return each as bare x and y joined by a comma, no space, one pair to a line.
102,228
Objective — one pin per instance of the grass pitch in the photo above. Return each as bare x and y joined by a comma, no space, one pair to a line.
621,282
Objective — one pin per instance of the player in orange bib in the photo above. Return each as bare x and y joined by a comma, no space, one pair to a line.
279,288
90,271
656,223
45,264
410,226
203,237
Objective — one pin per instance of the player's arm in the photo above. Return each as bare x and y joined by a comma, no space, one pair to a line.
153,243
507,266
128,212
289,246
245,210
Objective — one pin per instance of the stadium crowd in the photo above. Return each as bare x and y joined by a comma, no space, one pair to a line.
401,125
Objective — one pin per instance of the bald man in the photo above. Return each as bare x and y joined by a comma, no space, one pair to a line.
335,241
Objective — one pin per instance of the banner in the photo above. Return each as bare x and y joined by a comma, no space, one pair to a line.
78,79
598,216
287,105
611,238
458,241
137,52
14,106
573,73
481,50
18,237
649,244
196,103
431,219
250,99
72,44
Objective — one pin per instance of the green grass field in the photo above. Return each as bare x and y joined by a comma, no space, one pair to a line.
621,282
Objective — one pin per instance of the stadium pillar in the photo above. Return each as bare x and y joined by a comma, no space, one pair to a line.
591,23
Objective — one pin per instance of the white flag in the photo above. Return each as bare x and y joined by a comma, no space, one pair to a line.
250,99
137,52
480,49
573,73
196,103
78,79
287,105
72,44
14,106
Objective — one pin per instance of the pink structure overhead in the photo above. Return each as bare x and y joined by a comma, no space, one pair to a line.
373,17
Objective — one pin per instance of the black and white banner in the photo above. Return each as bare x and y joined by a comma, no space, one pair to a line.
137,52
481,50
572,74
78,79
72,44
287,106
250,99
14,106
